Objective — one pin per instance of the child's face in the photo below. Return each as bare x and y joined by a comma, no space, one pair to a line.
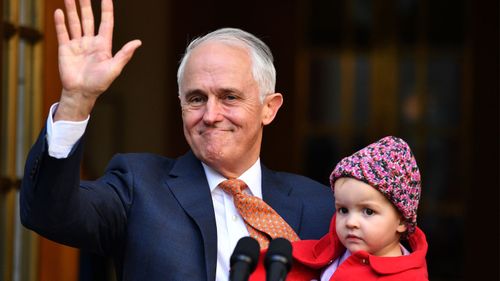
366,220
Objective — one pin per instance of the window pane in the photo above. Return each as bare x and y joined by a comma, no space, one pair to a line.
22,103
444,91
4,110
27,13
410,110
325,90
362,92
25,103
6,7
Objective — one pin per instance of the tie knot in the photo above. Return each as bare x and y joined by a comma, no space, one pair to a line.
233,186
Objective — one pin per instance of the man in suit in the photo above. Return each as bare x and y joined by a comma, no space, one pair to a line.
162,218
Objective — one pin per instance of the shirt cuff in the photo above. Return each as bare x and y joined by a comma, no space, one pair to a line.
63,135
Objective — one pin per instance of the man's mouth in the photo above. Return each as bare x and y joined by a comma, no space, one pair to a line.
211,130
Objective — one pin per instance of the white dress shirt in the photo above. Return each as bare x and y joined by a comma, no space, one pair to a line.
63,135
230,224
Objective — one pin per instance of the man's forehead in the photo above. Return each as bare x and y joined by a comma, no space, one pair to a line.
222,43
211,55
217,63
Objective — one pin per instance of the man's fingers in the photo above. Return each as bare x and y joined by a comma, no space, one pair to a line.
61,31
125,54
107,22
87,18
75,29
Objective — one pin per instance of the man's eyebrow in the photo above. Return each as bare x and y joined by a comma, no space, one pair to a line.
193,92
229,90
220,91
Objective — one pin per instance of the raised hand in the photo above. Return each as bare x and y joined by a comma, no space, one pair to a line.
86,64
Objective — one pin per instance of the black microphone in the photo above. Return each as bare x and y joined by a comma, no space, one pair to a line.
278,260
244,259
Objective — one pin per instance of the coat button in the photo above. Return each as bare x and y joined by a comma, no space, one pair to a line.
364,261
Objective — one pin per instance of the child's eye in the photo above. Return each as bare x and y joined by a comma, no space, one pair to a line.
368,211
342,210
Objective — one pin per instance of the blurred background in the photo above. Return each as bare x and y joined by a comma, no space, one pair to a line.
351,72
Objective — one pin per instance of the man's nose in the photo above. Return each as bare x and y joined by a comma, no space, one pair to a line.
213,111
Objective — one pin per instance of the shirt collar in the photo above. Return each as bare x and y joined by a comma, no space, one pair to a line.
252,177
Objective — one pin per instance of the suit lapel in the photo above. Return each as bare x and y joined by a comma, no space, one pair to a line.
188,183
280,197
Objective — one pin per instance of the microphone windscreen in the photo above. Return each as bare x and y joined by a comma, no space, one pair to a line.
247,249
280,250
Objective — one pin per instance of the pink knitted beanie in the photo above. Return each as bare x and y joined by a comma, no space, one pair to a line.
389,166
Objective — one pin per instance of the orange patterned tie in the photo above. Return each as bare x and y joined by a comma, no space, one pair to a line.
260,219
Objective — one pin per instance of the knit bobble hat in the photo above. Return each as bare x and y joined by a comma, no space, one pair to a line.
389,166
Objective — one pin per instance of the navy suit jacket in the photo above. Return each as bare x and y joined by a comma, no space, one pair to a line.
153,215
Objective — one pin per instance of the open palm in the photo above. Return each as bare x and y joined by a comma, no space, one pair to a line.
86,64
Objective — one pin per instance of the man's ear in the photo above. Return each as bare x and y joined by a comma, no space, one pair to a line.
272,104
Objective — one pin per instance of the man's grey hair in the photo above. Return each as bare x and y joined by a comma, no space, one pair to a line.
263,70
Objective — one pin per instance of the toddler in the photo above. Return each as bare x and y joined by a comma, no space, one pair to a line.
377,191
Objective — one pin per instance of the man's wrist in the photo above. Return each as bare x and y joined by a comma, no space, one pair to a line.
74,107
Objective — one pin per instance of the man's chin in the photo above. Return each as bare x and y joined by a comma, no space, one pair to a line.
211,158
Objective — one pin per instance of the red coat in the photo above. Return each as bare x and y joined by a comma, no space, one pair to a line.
311,256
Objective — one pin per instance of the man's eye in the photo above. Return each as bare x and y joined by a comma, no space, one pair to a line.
342,210
195,100
231,97
368,212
